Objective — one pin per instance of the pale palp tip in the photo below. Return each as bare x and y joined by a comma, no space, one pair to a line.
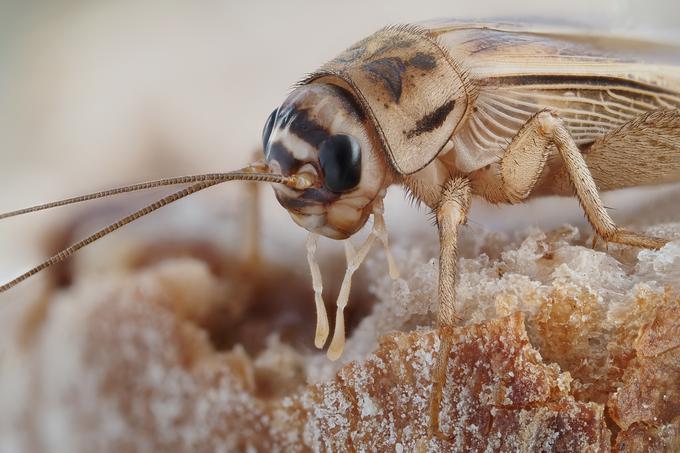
391,264
354,259
338,342
322,329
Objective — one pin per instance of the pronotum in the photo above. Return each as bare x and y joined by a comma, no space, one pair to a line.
449,110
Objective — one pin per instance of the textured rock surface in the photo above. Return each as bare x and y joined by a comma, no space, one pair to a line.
562,348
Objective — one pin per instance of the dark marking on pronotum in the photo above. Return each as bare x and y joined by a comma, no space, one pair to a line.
307,129
423,61
432,120
278,152
389,71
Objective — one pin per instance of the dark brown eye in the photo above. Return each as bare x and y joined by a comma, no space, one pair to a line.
267,131
340,160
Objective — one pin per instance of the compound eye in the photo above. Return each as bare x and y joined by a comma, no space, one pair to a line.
267,131
340,160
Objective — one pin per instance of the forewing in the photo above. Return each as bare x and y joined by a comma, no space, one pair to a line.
595,84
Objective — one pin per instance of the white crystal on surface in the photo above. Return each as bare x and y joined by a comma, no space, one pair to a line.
598,293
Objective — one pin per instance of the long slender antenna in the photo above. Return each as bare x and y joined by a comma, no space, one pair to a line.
205,182
119,190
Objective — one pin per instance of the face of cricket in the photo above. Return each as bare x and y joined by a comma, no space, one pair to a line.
320,133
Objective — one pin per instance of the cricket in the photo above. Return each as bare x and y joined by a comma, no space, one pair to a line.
449,110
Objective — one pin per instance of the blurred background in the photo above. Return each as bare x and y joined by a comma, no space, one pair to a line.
95,94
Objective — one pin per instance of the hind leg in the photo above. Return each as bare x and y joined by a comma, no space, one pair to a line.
524,159
644,151
586,189
520,169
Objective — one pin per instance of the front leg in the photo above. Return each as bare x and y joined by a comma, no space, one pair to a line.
451,212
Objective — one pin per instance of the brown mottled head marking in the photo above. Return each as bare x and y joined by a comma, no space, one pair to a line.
320,134
349,103
308,197
405,81
278,152
308,129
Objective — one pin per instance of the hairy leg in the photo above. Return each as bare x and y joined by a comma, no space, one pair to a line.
451,213
524,160
643,151
586,189
520,169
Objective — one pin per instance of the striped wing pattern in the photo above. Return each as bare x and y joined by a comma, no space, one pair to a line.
592,93
589,111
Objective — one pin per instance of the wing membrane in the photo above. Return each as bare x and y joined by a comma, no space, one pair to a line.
589,111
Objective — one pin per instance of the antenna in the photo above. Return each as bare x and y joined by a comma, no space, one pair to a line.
199,182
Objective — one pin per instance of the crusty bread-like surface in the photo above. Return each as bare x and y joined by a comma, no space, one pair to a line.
562,348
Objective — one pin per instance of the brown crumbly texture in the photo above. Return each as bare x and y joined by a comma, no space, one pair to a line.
641,438
500,396
169,390
562,348
647,403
